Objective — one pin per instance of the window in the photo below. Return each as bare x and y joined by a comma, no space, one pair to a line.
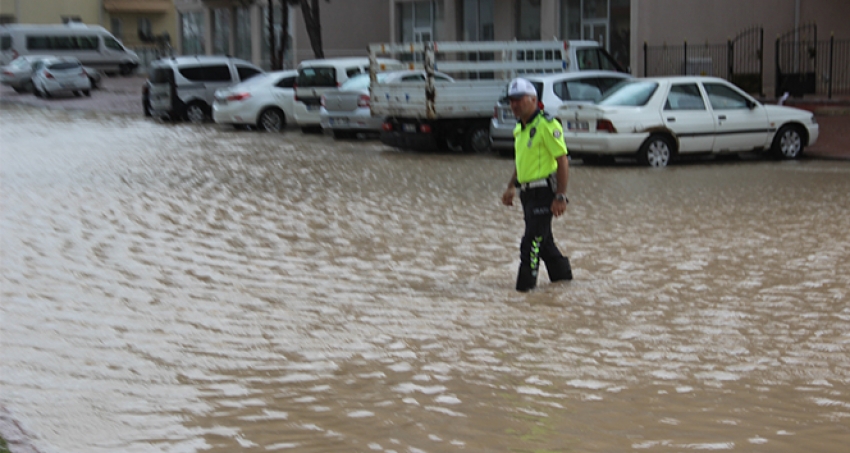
317,77
144,28
63,66
246,72
221,31
85,42
5,42
630,94
215,73
7,19
478,20
351,72
416,21
577,90
70,19
596,58
528,20
192,32
117,27
684,97
286,82
112,44
161,75
605,21
722,97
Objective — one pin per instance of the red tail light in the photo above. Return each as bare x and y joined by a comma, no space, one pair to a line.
322,102
425,128
48,75
387,127
495,112
8,73
239,96
605,126
364,101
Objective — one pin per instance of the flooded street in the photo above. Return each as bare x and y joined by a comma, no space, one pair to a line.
175,288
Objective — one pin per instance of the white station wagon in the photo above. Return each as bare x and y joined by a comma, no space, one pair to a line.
656,119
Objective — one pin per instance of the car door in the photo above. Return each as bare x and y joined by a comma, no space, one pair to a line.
741,124
686,114
284,94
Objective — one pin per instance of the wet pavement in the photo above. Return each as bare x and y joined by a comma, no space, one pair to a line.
179,288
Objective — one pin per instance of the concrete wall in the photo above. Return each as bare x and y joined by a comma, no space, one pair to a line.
346,30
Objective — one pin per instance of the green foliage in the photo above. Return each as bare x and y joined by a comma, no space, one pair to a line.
4,447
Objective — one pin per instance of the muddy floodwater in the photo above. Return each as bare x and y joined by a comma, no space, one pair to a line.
179,288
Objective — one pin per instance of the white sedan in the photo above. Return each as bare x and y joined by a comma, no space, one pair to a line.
265,101
656,119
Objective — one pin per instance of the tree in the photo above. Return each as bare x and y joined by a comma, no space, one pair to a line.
312,20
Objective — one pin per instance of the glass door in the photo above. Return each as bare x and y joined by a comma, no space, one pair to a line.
596,30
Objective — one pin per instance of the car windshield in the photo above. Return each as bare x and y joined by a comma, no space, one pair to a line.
65,65
633,93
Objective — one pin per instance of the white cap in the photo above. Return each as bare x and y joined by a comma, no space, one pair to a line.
520,87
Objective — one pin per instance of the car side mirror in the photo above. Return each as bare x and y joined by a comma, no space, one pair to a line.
751,105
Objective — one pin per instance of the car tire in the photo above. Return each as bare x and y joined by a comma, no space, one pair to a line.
36,91
77,93
125,70
87,93
196,112
656,151
46,94
476,139
272,120
342,135
788,143
19,89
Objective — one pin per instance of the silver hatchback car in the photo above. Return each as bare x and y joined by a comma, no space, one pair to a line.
60,75
553,90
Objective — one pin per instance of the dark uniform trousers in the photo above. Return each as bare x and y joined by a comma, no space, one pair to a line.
537,242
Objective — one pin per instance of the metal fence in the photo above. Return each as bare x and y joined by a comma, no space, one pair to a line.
831,66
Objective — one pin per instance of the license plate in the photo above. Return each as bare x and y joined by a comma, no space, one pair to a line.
508,115
578,126
338,121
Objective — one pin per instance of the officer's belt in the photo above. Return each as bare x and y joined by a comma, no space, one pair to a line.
534,184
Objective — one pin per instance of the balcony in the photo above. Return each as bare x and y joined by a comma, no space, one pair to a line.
138,6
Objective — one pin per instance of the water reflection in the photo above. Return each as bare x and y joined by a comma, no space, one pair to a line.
179,288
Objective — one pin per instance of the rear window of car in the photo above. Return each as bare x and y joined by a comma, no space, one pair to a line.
246,72
212,73
65,65
358,82
286,82
317,76
5,42
630,94
161,75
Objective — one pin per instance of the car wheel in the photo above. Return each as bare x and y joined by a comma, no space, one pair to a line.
87,93
77,93
125,69
196,112
656,151
788,143
272,120
93,83
36,91
19,89
341,135
477,139
46,94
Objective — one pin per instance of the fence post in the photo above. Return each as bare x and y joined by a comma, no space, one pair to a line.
685,62
645,50
829,83
761,62
730,56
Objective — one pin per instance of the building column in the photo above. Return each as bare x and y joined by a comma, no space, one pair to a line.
231,37
257,35
208,30
548,20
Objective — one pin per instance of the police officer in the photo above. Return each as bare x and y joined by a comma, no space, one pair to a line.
541,173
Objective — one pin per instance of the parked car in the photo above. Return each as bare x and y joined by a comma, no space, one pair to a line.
184,87
57,75
345,112
316,77
552,91
18,73
656,119
264,101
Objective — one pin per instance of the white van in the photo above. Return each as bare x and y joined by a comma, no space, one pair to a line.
93,45
316,77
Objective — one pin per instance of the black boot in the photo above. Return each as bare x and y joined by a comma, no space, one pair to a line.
560,270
